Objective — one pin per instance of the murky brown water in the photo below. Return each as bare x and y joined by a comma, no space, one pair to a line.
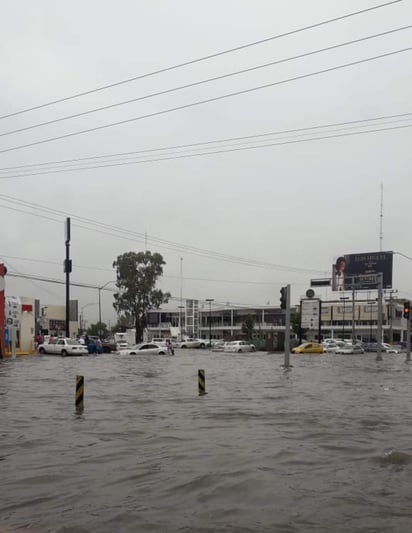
325,447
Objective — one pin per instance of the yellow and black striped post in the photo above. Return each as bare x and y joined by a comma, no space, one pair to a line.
202,382
79,394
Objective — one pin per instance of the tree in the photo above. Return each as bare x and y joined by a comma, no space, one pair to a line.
98,329
122,324
248,327
136,276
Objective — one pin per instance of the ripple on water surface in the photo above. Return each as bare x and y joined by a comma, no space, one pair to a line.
324,447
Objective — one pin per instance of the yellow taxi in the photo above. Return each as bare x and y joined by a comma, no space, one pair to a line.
308,347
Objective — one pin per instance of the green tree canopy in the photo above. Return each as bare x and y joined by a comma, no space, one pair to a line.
248,327
136,276
98,329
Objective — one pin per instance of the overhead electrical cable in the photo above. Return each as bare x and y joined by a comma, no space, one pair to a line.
201,154
205,143
203,58
208,100
202,82
161,243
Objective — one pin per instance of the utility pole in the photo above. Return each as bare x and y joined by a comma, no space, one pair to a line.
67,270
287,328
210,300
353,317
379,323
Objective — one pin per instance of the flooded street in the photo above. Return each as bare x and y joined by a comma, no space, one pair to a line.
324,447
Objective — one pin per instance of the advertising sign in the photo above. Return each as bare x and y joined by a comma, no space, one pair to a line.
310,313
13,311
360,271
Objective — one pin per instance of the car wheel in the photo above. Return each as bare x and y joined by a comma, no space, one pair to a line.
162,353
253,349
184,346
239,351
132,353
202,346
64,353
42,351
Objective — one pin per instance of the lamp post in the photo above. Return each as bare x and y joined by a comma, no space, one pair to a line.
81,313
100,305
370,320
344,298
180,307
210,300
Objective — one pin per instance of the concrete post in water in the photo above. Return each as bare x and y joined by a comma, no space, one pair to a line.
79,394
380,311
202,382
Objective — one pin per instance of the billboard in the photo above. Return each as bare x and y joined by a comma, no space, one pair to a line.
359,271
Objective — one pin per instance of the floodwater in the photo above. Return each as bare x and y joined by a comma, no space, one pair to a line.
324,447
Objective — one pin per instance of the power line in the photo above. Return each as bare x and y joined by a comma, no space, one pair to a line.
205,143
202,82
204,58
208,100
161,243
198,154
167,276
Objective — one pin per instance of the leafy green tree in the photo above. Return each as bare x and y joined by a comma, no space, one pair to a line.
248,327
136,276
122,324
98,329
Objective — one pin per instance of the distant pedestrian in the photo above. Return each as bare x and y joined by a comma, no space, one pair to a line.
169,346
86,340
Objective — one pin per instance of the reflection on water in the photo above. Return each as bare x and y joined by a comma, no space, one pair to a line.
324,447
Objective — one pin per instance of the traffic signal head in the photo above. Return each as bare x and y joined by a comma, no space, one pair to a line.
283,297
406,310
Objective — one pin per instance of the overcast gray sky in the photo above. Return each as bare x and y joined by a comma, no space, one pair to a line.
299,205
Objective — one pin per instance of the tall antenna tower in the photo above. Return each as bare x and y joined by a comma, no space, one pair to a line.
381,221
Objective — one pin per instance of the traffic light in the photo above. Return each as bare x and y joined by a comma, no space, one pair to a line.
406,310
283,297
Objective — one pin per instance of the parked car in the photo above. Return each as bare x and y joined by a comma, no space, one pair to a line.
193,343
308,347
62,346
218,346
332,346
350,348
144,349
395,348
239,347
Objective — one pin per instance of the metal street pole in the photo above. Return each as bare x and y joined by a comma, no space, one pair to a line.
287,328
408,338
353,316
380,311
210,300
100,305
344,298
67,270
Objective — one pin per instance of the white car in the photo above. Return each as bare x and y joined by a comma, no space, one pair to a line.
395,348
193,343
239,346
63,346
332,346
350,348
144,349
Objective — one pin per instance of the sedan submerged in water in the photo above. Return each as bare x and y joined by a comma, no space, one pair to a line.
144,349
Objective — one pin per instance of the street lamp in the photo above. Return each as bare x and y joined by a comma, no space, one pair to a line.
210,300
100,306
343,322
180,307
370,320
81,313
